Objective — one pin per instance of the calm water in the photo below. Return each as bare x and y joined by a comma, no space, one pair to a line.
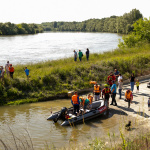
33,118
53,45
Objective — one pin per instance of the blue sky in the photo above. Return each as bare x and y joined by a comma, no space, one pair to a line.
38,11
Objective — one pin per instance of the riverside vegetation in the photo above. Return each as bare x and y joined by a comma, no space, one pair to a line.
52,78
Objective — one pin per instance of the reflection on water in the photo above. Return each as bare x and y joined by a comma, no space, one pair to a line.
33,117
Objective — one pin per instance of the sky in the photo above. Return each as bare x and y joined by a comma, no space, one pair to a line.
38,11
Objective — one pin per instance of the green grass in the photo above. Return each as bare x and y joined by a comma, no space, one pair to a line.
52,78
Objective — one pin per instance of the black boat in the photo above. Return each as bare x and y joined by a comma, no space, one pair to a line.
98,108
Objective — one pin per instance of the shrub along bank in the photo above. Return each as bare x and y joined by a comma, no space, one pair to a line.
52,79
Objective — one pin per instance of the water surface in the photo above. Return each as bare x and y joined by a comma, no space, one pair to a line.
53,45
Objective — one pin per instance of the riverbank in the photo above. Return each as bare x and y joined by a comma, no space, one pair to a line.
53,79
138,136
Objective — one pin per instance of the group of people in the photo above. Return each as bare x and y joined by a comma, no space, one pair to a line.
81,102
9,70
80,54
114,81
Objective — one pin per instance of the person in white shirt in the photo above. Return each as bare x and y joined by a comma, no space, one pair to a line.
7,68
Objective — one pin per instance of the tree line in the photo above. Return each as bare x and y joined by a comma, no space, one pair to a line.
114,24
9,28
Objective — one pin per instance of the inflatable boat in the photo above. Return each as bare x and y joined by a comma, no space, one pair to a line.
98,108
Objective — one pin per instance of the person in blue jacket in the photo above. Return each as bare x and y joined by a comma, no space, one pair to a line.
113,92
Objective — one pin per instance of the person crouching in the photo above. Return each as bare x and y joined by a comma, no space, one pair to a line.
84,103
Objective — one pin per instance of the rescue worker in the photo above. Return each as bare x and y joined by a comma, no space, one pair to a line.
106,93
97,92
90,97
84,103
128,97
75,102
111,78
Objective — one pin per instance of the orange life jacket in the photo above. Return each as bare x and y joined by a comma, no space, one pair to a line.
93,82
11,69
97,89
90,99
128,95
75,99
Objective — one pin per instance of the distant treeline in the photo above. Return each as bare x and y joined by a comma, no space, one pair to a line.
23,28
115,24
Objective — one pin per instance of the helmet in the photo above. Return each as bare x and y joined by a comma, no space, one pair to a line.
105,85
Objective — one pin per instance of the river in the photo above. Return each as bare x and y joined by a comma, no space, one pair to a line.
30,120
33,118
23,49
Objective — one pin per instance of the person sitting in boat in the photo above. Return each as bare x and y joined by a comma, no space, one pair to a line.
75,102
106,93
90,97
84,103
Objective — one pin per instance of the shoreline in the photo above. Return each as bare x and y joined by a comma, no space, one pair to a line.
82,91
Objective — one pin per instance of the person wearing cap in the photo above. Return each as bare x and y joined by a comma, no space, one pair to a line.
128,97
113,92
106,93
75,102
11,70
97,92
7,68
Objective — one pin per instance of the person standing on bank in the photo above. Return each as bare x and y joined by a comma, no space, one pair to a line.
113,92
11,70
80,55
97,92
27,72
87,54
75,55
120,85
7,68
132,81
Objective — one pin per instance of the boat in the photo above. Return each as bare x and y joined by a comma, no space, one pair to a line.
98,108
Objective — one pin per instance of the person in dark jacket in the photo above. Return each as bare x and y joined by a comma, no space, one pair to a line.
87,54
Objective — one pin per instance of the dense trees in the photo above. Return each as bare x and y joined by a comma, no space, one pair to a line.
13,29
114,24
139,36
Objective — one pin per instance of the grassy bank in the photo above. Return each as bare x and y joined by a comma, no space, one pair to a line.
52,79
